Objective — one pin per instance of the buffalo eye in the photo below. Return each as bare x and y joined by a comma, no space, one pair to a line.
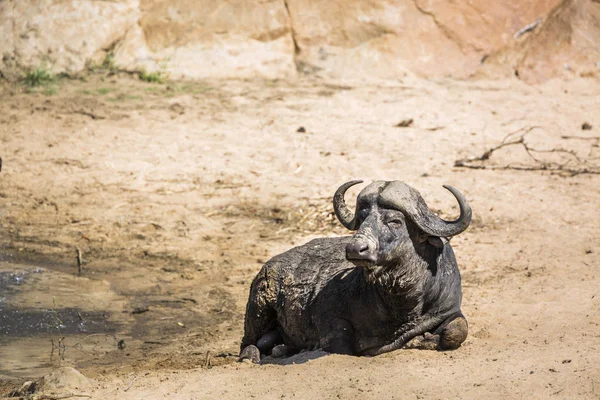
394,223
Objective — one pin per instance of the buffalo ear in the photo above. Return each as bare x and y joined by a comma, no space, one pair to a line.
435,241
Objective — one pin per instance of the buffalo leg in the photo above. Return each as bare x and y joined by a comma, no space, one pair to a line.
418,330
259,330
269,340
427,341
338,337
453,334
251,353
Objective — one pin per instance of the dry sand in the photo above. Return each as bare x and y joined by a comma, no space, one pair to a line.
177,193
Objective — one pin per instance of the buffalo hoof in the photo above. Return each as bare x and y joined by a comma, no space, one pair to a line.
454,334
279,351
428,341
250,353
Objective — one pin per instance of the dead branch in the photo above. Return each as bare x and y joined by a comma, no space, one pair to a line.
130,383
89,114
105,335
59,396
517,138
596,138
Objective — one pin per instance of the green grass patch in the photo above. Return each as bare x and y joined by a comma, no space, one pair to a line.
123,97
96,91
153,89
195,88
153,77
38,77
107,65
104,90
49,91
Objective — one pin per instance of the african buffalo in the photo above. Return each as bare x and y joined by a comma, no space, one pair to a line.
395,279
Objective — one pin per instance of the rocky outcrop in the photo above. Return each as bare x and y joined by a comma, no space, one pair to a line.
210,38
566,44
60,34
279,38
386,37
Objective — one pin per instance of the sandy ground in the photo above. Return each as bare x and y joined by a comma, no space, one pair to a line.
175,194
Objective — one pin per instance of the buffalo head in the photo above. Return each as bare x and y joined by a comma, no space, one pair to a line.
392,222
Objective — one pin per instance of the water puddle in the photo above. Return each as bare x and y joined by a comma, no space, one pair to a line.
49,318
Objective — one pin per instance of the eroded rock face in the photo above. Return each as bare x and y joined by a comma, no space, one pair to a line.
566,44
277,38
60,34
211,38
386,37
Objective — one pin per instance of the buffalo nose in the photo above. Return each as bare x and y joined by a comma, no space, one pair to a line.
357,250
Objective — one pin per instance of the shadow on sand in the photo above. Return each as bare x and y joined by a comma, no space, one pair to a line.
299,358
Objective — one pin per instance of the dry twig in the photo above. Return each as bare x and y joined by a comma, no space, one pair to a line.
207,360
595,138
89,114
130,383
517,138
79,261
59,396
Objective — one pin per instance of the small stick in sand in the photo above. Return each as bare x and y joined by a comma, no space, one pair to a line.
130,383
79,261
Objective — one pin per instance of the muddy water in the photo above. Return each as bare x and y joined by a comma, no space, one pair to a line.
49,318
